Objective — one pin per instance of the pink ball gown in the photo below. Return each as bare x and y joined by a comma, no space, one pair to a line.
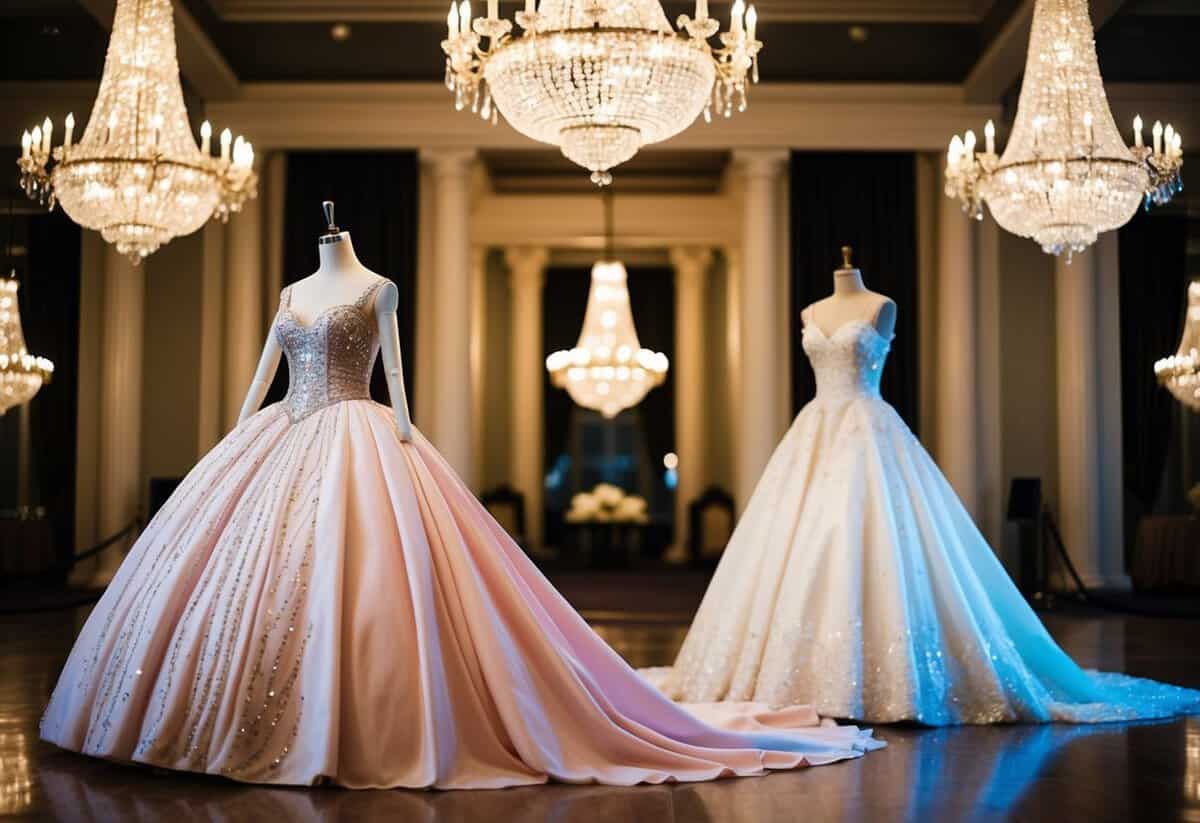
321,601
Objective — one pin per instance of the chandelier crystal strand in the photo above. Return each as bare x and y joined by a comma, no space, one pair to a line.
1066,174
1179,373
608,370
136,174
22,374
599,79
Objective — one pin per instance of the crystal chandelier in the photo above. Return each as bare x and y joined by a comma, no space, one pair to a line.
1066,174
136,175
21,373
599,78
1179,373
608,370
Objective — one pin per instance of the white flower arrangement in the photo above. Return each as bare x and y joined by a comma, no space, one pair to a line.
607,504
1193,496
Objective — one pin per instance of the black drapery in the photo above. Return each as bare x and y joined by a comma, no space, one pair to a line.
1153,282
868,201
564,300
49,296
652,299
375,196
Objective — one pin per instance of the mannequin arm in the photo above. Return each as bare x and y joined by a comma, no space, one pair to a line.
389,346
263,375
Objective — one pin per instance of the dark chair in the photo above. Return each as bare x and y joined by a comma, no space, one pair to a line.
507,506
710,525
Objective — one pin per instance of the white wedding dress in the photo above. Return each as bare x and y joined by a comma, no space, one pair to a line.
856,582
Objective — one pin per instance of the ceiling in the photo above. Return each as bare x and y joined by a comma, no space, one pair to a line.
879,41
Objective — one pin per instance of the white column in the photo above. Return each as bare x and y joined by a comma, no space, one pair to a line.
1089,441
425,338
120,466
957,386
243,327
526,265
479,262
451,429
762,343
691,275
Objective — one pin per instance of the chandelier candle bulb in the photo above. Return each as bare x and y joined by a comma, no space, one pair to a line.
452,21
464,17
226,140
47,128
989,135
26,140
206,138
36,142
1138,139
701,10
751,23
69,130
1158,135
493,9
735,22
1169,138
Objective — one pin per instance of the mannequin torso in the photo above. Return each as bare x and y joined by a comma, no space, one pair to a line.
850,302
340,280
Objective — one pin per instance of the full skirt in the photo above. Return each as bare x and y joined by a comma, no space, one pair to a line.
857,583
322,602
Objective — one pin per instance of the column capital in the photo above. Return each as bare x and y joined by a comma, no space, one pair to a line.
526,265
447,161
691,262
761,162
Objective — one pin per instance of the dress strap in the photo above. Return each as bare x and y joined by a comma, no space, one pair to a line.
364,299
285,297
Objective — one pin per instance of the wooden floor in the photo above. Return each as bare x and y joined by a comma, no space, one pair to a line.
1143,772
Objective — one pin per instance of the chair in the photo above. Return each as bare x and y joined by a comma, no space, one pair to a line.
711,520
507,506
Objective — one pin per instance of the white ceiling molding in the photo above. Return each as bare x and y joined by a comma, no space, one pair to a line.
201,63
840,11
1003,61
391,115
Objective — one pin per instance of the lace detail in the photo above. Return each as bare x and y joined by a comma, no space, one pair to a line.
330,359
848,362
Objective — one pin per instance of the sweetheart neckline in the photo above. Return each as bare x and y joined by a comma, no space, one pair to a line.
839,329
287,307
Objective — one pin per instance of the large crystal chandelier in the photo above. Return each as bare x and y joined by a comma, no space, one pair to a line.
599,78
137,175
608,370
21,373
1180,372
1066,174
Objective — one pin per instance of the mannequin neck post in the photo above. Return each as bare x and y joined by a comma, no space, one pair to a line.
336,253
848,281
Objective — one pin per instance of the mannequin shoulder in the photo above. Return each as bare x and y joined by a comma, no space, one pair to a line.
387,296
806,313
885,314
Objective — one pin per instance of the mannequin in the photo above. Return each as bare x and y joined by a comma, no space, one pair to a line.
338,281
851,302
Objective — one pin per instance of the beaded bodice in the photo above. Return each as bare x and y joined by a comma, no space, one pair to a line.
330,359
849,362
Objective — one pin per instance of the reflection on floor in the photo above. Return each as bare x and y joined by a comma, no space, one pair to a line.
1032,773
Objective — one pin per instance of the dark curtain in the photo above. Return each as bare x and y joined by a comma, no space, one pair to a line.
1153,283
652,298
49,298
375,197
564,300
868,201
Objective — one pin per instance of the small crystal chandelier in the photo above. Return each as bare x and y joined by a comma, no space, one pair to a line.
1066,174
599,78
1179,373
608,370
21,373
136,175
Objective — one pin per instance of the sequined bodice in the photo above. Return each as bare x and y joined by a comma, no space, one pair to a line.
330,359
849,362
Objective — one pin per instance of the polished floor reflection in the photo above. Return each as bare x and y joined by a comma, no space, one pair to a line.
1031,773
